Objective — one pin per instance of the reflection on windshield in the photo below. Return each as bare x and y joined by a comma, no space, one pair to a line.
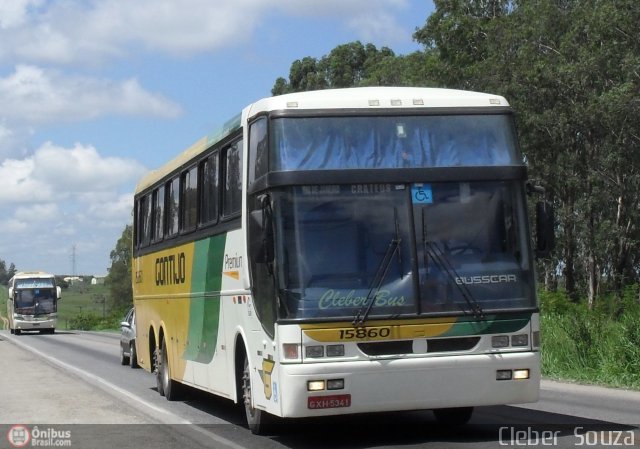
471,251
333,242
35,301
340,143
340,249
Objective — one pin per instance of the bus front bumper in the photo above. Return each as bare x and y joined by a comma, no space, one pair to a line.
409,384
34,324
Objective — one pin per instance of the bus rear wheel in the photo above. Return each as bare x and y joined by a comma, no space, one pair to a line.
166,384
453,416
258,421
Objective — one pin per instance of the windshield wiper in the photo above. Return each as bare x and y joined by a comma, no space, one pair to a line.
444,265
381,274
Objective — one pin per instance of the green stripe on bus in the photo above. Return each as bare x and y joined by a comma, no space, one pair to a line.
204,311
492,324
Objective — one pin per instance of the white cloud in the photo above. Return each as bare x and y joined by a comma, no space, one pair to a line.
59,197
34,95
37,213
91,32
82,170
18,184
77,172
14,13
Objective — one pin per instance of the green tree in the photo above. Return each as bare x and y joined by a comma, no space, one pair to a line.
3,273
571,69
355,64
119,277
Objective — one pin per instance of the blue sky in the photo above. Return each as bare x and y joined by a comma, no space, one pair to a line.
94,93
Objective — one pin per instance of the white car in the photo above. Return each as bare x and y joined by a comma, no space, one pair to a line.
128,340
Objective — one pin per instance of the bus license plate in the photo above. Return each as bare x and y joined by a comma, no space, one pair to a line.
335,401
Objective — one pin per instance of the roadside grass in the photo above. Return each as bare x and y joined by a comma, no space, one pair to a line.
86,307
4,295
600,346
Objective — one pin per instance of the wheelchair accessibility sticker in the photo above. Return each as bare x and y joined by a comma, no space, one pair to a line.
421,194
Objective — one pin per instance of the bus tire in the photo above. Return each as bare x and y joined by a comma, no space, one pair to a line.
133,357
123,358
156,368
170,387
258,421
18,331
453,416
12,331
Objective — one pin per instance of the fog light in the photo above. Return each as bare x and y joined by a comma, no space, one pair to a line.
503,374
520,340
520,374
290,351
500,341
335,350
335,384
315,385
314,351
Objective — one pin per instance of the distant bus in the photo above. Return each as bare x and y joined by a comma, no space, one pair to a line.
33,302
343,251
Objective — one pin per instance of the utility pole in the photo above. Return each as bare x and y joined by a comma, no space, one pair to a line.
73,260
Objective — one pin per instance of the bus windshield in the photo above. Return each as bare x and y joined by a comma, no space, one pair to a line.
341,143
35,301
460,245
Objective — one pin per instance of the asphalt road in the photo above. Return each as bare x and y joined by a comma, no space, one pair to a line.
73,382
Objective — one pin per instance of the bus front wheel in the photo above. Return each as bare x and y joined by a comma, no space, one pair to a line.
258,421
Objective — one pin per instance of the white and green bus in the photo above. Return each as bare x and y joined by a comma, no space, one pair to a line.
344,251
33,302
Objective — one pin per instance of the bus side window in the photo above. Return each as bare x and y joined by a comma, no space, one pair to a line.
173,206
258,149
209,190
232,188
189,199
144,220
158,214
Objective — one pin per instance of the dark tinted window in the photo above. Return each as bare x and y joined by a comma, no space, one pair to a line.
210,188
258,149
173,206
189,199
158,214
232,192
144,220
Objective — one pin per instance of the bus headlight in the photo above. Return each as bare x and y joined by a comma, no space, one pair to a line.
335,350
314,352
500,341
520,340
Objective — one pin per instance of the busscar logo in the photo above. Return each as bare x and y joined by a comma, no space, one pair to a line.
487,279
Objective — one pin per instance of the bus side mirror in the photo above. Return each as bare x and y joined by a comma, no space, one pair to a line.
545,229
58,293
10,293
